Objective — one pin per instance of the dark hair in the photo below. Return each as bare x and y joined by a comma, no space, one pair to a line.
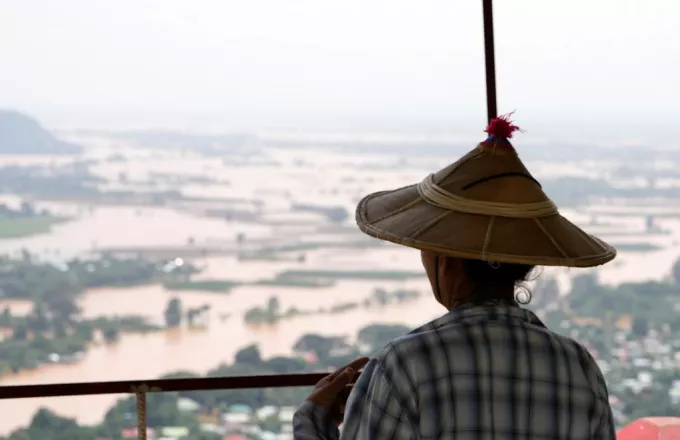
493,275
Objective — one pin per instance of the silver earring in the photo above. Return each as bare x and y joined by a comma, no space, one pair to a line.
523,297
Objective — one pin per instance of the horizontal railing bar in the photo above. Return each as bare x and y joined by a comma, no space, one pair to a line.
160,385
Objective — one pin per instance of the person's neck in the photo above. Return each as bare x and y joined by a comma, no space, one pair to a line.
484,296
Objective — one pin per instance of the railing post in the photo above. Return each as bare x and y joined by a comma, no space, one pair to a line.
140,396
141,414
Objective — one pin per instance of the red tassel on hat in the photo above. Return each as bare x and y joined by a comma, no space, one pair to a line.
502,127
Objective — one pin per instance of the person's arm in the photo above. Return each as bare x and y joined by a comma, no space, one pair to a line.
374,411
605,429
313,422
602,423
318,417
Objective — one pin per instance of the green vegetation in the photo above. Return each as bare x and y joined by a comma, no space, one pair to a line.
16,228
623,319
223,286
335,214
25,221
54,331
284,281
282,252
175,314
272,313
350,274
290,278
269,314
74,182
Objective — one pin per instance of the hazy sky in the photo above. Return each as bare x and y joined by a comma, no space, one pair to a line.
94,63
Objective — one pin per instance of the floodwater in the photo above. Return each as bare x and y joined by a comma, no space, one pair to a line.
198,350
299,178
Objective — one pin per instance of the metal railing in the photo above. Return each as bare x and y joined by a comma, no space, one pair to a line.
140,388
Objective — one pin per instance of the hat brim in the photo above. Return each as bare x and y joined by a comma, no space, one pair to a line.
401,216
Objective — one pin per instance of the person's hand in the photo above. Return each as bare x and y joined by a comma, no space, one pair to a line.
333,390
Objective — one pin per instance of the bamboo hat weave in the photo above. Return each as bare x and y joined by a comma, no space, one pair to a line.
484,206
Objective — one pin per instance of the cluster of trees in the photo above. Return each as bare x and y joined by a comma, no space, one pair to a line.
175,314
268,314
592,312
383,297
54,329
272,312
650,303
46,425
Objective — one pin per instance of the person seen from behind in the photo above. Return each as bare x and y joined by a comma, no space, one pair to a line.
488,368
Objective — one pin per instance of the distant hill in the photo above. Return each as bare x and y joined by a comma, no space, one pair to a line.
21,134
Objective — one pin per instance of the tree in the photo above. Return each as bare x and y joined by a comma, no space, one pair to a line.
547,290
38,319
60,300
378,335
256,315
676,271
249,355
47,425
6,317
173,313
27,209
321,346
640,326
205,435
161,411
273,307
584,284
381,296
26,256
271,423
284,365
191,315
59,328
650,224
20,434
20,332
111,334
84,330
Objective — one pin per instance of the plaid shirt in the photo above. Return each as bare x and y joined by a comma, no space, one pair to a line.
478,372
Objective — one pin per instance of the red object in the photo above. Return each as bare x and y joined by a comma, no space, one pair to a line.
648,428
502,127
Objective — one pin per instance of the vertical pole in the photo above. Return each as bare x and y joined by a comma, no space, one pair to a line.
490,62
141,415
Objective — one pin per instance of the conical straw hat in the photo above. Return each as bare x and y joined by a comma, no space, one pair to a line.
485,206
